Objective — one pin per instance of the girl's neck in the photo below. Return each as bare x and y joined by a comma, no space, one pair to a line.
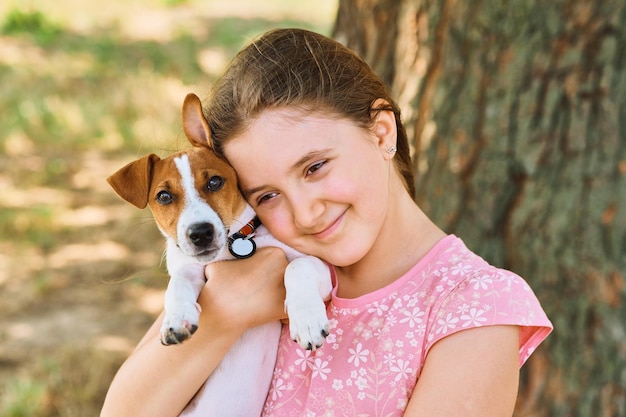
406,237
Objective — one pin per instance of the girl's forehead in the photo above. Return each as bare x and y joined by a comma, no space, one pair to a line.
275,138
282,127
283,137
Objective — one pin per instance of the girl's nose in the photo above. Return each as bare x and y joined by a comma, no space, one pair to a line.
306,211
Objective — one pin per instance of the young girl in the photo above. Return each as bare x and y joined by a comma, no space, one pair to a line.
420,326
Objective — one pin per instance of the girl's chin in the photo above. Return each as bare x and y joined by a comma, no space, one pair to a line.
341,259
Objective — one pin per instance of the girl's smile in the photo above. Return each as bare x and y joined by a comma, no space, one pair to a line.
335,225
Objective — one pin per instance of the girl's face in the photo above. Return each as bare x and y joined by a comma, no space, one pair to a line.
319,184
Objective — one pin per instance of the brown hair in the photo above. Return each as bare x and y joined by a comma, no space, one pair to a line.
303,69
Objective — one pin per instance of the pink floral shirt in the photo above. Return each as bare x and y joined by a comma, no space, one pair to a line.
377,345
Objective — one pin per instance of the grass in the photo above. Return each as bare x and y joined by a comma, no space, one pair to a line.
57,386
24,397
85,87
33,23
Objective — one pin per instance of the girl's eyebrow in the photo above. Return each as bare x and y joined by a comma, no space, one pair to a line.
248,192
307,157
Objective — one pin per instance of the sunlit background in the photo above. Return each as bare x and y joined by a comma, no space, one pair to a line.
85,87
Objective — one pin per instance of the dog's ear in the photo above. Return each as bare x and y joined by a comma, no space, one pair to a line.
132,182
194,124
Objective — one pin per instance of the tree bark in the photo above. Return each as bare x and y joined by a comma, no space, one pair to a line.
517,114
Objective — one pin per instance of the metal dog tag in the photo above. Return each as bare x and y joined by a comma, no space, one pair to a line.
240,244
242,247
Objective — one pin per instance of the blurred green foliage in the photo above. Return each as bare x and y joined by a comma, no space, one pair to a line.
33,23
23,398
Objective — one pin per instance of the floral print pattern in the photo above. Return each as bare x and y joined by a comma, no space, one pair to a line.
377,345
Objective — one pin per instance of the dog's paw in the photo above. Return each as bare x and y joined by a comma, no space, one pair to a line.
180,323
308,323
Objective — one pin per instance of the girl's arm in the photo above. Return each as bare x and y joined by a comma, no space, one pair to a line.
472,373
160,380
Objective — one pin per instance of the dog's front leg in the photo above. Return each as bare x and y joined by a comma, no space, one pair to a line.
308,285
182,311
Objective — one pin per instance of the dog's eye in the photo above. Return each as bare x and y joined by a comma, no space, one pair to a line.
164,197
215,183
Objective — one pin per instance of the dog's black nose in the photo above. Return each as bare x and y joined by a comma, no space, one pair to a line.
201,234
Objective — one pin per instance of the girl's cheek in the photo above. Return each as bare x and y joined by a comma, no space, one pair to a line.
277,222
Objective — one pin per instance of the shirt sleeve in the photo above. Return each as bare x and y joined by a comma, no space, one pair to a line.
487,297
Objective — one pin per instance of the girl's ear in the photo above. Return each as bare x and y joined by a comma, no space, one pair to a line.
384,127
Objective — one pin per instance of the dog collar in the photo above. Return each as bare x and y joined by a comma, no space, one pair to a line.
240,244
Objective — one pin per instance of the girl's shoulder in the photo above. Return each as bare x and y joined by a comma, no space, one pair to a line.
474,293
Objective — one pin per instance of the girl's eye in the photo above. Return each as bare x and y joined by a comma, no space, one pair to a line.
315,167
215,183
164,197
265,198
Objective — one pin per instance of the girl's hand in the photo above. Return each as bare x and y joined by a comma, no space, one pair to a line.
248,292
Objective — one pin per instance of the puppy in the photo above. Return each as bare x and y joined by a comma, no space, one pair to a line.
197,206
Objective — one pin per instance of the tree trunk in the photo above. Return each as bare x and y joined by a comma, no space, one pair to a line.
517,113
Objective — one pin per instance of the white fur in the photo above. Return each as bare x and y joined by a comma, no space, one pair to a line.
239,386
196,209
